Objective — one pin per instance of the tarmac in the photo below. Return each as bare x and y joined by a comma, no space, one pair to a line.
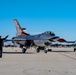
61,61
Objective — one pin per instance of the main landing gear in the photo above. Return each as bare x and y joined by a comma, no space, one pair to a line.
74,49
49,50
23,50
43,48
38,50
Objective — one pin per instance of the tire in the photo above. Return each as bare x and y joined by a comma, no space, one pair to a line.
45,51
23,50
38,50
49,50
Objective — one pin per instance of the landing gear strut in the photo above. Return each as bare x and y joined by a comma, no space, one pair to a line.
45,51
38,50
49,50
41,48
23,50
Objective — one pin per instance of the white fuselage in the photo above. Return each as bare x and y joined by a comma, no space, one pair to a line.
40,43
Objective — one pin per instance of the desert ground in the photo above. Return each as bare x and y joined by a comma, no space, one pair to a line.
61,61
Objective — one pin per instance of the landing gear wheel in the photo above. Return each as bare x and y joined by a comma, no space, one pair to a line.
45,51
23,50
38,50
49,50
74,49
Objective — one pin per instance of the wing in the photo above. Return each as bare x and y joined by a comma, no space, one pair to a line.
24,38
51,38
38,37
29,38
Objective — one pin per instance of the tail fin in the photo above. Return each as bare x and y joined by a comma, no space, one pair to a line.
19,29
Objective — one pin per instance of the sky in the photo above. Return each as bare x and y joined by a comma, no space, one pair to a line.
38,16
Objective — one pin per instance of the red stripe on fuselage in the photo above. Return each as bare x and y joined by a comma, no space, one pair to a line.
61,40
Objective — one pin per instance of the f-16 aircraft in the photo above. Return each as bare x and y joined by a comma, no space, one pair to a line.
40,41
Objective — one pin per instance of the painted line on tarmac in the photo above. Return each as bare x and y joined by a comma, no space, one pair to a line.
67,56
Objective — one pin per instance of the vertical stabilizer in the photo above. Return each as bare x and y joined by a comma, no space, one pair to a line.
19,29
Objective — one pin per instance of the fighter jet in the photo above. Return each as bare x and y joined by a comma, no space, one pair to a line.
40,41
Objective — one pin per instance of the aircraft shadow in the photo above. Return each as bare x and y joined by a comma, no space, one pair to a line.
18,53
61,51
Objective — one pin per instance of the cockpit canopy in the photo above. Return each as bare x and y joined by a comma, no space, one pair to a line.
49,33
